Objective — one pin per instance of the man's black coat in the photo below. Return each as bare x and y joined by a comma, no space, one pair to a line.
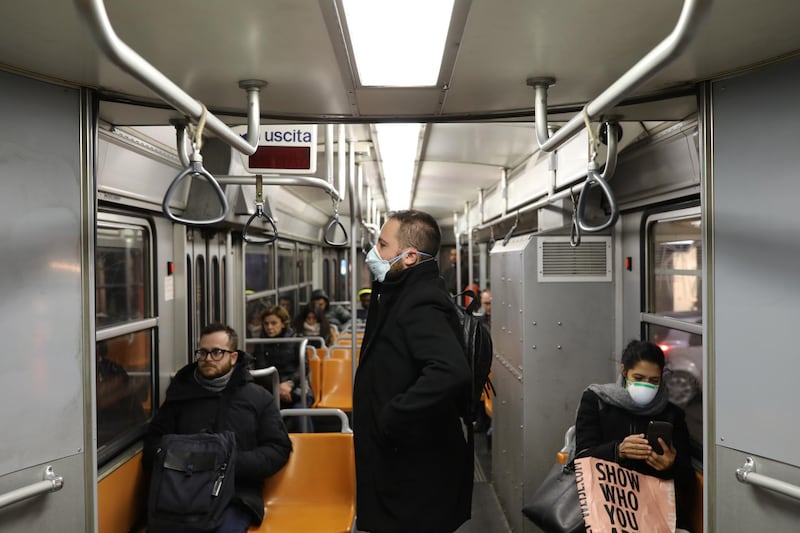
413,464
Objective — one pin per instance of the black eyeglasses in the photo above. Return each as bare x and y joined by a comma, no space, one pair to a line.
215,354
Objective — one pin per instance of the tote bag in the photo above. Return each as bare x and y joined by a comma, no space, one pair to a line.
614,499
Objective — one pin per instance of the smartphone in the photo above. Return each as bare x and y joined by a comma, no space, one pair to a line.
658,429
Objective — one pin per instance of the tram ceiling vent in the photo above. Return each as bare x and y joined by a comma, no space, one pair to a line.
558,261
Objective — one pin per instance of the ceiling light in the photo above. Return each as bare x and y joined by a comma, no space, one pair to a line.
398,144
398,43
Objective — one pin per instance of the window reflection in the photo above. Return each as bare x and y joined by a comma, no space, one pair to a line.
121,274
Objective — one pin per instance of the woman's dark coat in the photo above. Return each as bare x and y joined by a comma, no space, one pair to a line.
285,357
413,464
262,444
600,427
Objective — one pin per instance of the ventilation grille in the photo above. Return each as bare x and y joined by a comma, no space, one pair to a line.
559,261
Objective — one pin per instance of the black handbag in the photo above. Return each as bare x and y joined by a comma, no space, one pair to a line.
554,507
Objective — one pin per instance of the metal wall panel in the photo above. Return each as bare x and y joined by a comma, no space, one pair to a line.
40,247
756,299
552,340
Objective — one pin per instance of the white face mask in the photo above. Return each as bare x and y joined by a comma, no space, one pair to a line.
642,393
378,266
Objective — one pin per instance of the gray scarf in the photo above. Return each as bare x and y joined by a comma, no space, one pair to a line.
616,395
214,384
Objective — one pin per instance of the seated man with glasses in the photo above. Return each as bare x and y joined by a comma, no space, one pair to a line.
216,393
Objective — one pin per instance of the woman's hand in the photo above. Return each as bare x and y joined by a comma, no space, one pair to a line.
286,391
634,447
665,460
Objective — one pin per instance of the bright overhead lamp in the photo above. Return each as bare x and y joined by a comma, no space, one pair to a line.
398,148
398,43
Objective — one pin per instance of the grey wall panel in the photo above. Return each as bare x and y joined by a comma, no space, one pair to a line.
745,508
756,253
507,447
631,281
40,257
54,511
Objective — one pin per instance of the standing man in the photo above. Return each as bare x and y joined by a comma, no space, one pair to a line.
217,393
486,305
413,463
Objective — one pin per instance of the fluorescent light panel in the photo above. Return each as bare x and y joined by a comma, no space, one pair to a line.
398,148
398,43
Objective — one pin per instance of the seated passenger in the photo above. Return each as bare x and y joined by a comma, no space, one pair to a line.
194,404
285,356
364,296
312,323
612,423
336,315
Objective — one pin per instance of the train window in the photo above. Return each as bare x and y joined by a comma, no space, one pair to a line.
287,264
122,279
675,309
259,269
200,291
126,329
124,388
216,290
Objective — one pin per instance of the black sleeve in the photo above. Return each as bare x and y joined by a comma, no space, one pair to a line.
273,448
162,424
589,430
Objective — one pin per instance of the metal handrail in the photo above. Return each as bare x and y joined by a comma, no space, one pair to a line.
50,483
276,382
95,14
303,342
299,181
747,474
259,214
321,412
668,49
195,168
602,180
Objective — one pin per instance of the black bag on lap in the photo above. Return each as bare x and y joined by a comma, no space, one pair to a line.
554,507
192,482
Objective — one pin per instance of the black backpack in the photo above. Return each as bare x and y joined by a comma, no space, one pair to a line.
192,482
479,352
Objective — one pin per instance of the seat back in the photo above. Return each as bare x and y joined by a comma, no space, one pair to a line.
337,384
315,376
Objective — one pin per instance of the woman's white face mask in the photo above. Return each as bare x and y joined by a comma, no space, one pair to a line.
642,393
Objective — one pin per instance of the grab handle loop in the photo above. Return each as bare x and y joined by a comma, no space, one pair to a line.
332,225
574,230
195,168
511,230
260,214
330,229
594,177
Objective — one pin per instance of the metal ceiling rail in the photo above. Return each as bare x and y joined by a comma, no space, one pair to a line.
689,21
95,15
299,181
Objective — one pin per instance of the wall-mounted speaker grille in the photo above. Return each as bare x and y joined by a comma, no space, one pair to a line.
559,261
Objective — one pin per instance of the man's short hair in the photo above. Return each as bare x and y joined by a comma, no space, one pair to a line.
418,229
233,338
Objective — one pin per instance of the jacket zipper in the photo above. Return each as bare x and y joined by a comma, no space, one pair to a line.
220,478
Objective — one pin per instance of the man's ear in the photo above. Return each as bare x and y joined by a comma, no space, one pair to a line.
234,357
411,258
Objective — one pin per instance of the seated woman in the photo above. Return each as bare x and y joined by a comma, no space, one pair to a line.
612,423
283,356
313,323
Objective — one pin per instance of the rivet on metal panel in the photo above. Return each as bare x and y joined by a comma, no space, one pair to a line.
722,439
520,311
559,322
533,347
533,323
559,346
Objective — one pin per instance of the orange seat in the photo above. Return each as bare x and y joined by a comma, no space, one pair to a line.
315,377
315,491
341,352
337,384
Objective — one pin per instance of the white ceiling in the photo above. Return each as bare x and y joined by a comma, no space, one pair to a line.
207,46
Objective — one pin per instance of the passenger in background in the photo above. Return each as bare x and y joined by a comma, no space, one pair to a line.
414,467
450,273
254,308
286,302
612,423
486,308
285,357
336,315
195,404
312,323
364,296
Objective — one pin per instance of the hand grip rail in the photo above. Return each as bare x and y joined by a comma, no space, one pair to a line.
50,483
747,474
96,17
276,382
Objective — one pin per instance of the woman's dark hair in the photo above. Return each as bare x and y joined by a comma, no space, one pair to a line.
279,312
637,351
324,323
